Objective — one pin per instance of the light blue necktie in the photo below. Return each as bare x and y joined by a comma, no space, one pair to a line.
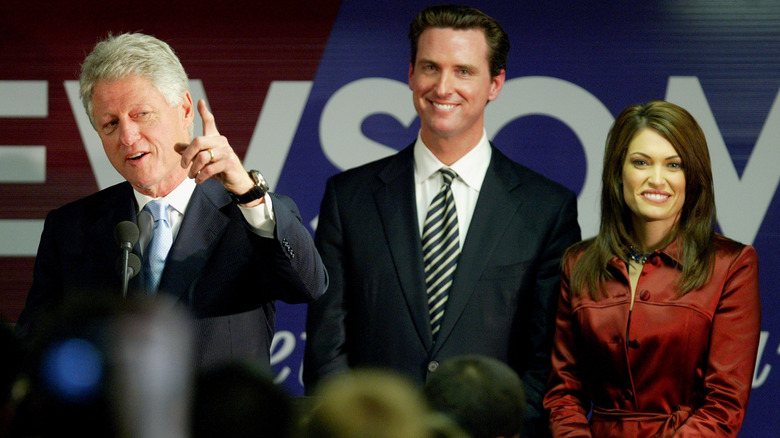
441,247
159,245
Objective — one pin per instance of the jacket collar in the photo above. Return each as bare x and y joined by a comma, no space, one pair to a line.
670,254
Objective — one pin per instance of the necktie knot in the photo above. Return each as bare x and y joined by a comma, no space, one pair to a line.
448,174
158,209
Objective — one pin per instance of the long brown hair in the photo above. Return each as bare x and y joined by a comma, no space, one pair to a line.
696,224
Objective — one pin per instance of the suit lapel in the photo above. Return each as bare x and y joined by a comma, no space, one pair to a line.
395,200
201,229
496,205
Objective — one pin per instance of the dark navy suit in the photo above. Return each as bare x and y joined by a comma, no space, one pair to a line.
502,302
226,275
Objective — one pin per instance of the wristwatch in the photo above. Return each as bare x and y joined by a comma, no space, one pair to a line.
257,192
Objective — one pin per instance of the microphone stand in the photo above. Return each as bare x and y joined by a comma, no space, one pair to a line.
125,268
126,235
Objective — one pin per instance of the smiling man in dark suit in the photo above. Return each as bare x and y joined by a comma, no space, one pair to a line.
447,247
220,243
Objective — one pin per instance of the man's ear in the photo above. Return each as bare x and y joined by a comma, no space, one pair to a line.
496,84
188,109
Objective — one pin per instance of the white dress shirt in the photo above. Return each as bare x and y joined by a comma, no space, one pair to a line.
471,169
260,218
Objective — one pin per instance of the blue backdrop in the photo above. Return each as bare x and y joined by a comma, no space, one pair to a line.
306,89
572,67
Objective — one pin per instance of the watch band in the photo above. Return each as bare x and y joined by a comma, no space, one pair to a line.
257,192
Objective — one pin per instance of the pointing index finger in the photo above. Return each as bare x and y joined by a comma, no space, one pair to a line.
209,124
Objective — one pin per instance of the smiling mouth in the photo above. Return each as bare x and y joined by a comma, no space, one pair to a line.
656,197
443,106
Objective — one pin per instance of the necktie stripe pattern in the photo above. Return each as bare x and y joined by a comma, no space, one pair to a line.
441,247
157,250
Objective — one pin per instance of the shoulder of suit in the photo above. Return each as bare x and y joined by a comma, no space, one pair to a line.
531,177
99,199
370,170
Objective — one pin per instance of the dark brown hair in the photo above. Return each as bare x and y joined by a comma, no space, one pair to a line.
463,17
696,224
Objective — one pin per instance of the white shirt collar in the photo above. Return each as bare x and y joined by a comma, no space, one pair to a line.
471,168
178,198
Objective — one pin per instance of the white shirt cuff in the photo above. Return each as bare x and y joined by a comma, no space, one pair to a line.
261,218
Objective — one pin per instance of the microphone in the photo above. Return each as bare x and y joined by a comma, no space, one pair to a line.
133,265
128,265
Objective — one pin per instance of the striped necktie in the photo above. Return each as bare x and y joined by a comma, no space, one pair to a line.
441,247
157,250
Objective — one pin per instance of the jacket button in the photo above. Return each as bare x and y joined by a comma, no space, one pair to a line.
627,393
656,260
433,366
634,344
645,295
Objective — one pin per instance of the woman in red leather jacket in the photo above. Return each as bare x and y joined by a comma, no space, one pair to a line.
659,317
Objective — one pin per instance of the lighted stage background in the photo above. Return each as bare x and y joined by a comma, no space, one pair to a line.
306,89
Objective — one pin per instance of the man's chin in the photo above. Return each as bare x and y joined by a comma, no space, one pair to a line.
144,185
443,131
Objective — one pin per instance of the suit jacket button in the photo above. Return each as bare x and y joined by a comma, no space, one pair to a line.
433,366
645,295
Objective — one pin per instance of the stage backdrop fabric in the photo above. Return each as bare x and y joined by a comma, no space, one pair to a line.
304,90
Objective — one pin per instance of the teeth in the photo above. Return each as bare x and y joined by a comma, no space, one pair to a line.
134,156
442,106
656,196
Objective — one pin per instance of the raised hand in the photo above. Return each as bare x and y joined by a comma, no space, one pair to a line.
211,156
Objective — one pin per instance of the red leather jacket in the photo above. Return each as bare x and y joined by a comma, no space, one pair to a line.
671,367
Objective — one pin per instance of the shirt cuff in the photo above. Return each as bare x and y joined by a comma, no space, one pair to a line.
261,218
